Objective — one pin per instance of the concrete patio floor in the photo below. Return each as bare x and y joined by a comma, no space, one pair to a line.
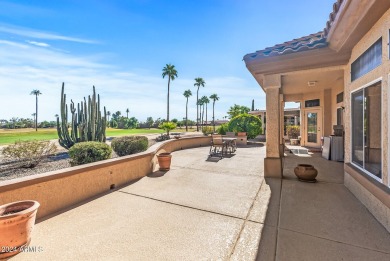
218,210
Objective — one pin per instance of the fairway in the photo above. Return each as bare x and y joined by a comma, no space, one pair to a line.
8,136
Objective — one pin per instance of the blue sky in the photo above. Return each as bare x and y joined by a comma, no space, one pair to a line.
122,46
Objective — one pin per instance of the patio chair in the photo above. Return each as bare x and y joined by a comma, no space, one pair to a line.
217,145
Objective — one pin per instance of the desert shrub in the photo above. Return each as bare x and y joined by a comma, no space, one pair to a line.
293,131
167,126
207,130
87,152
129,145
29,153
223,129
246,123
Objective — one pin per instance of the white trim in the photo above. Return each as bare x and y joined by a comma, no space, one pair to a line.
351,149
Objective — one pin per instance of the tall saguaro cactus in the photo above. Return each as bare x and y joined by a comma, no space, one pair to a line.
87,123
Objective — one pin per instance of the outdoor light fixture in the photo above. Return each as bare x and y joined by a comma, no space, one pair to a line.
311,83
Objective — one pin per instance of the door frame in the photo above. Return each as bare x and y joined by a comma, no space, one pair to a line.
320,129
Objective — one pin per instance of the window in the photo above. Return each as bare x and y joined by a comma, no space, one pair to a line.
340,120
366,129
312,103
368,61
340,97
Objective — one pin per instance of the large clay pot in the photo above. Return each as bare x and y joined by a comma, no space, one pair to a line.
241,134
306,172
17,220
164,161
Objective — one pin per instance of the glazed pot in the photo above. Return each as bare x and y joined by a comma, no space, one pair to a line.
306,172
17,220
164,161
241,134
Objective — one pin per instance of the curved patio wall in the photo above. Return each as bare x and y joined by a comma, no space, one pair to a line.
61,189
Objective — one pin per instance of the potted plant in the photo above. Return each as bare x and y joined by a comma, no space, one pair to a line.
164,161
17,220
241,134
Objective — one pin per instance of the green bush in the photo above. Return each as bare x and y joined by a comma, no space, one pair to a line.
129,145
87,152
293,131
246,123
167,126
223,128
207,130
29,153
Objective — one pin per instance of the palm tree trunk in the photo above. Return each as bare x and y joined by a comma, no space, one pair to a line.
202,114
169,81
213,117
206,114
36,112
187,115
197,110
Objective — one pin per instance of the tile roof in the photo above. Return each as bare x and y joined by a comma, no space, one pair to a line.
312,41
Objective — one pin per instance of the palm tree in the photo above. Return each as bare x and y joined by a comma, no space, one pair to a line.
206,101
127,113
56,115
214,97
198,82
187,94
108,115
199,104
34,115
169,70
36,93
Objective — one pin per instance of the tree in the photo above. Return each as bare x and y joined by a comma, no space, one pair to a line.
198,82
205,102
187,94
246,123
253,104
34,116
237,110
36,93
127,113
215,98
200,104
149,121
170,71
108,115
56,115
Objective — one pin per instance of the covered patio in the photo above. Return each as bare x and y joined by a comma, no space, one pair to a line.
212,209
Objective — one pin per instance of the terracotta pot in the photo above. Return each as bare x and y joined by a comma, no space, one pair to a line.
241,134
164,161
17,220
306,172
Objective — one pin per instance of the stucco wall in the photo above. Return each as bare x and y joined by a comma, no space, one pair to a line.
380,29
58,190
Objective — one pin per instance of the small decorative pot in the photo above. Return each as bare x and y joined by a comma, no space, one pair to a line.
164,161
241,134
17,220
306,172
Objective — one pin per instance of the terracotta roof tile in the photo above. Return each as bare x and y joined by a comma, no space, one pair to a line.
312,41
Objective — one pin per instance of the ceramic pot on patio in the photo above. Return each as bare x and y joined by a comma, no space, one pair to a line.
17,220
306,172
241,134
164,161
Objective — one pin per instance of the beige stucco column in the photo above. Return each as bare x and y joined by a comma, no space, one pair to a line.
273,161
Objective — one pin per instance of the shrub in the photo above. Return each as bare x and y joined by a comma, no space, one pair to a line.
167,126
29,153
223,129
87,152
129,145
246,123
293,131
207,130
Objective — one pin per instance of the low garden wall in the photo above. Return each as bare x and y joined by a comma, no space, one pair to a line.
61,189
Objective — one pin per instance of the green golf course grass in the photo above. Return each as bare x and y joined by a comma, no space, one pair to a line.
8,136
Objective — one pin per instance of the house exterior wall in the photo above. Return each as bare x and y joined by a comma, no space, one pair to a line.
366,189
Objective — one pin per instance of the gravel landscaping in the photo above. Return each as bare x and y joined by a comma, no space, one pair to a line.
11,169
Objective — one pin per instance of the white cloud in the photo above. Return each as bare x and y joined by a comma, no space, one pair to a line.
38,43
27,32
25,67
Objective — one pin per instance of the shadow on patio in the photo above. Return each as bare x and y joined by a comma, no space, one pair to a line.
222,210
